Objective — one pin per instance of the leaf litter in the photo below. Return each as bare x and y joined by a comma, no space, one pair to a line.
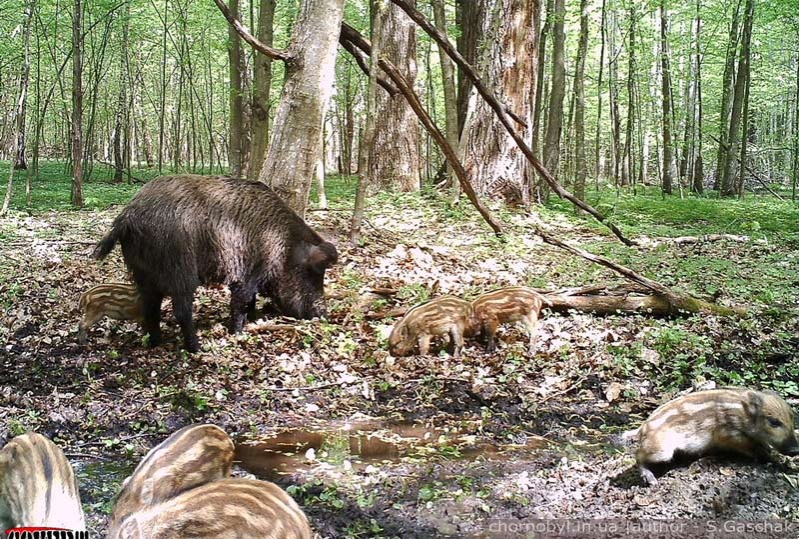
590,378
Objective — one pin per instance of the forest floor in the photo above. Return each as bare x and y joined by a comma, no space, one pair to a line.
376,446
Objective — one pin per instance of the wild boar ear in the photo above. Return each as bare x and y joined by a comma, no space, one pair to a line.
754,405
321,256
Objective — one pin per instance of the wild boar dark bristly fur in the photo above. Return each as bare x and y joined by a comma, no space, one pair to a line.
180,232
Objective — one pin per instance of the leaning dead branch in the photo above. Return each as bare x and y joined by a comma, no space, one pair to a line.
254,42
674,303
351,35
504,118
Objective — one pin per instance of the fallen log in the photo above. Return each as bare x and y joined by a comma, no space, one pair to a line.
677,303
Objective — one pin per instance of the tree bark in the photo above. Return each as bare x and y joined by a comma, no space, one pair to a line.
450,94
556,94
504,117
668,149
296,141
495,164
261,87
698,179
20,159
235,99
394,160
726,95
627,172
378,14
77,104
597,169
579,106
469,16
734,132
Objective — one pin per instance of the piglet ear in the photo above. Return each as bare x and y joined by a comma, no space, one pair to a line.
321,256
754,406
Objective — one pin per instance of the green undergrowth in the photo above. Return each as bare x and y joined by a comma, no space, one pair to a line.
648,212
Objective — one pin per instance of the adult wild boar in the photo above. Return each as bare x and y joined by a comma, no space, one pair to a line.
180,232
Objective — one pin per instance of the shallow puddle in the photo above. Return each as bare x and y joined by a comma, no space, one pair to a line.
362,443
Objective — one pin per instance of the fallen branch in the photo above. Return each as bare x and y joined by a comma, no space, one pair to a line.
677,303
255,327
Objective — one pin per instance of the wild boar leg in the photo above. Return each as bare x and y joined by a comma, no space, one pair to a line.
652,453
240,300
424,344
181,305
457,340
151,308
531,322
490,327
252,313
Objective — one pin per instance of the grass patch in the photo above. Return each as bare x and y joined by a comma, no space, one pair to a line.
648,212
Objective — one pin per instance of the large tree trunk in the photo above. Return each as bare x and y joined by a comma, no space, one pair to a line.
557,92
236,100
734,131
395,159
261,87
668,149
296,142
77,104
495,163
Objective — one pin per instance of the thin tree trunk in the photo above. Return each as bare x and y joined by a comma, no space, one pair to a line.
20,160
295,145
261,87
556,94
120,121
77,104
450,96
469,15
795,168
579,105
726,95
162,114
540,93
236,102
627,172
378,10
597,169
666,173
744,130
734,132
698,180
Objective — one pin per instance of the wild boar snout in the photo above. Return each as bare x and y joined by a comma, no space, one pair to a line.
791,446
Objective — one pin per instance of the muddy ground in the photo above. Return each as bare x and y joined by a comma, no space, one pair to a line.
376,446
